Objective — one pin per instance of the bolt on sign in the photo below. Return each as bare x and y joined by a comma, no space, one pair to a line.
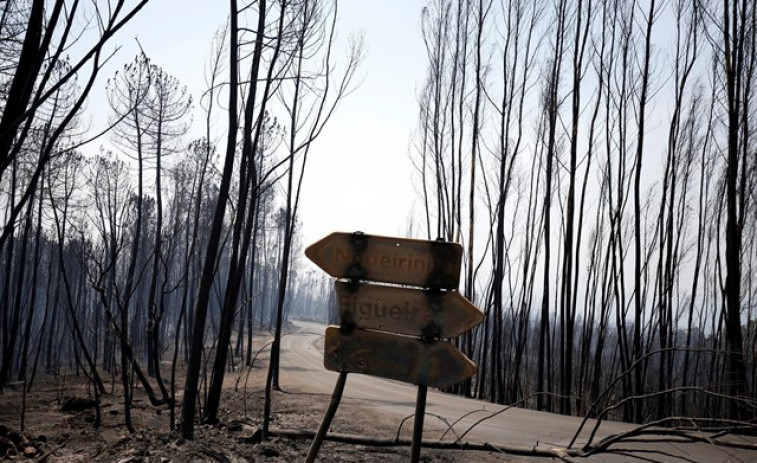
396,298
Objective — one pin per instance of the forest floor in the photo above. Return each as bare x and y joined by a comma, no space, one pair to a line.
52,435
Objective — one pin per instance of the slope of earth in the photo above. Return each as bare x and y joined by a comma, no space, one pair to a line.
371,409
52,435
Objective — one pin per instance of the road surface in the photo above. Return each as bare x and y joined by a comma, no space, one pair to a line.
303,371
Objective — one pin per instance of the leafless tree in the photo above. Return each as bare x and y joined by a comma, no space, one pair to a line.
48,32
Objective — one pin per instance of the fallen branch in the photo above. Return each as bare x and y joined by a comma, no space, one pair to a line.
47,454
571,455
562,453
694,433
450,426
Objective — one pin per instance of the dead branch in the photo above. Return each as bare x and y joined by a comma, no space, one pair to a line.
693,433
599,413
563,454
649,433
450,426
492,414
47,454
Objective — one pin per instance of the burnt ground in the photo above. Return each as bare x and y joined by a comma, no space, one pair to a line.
53,435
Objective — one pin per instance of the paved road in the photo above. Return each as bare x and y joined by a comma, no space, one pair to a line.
303,371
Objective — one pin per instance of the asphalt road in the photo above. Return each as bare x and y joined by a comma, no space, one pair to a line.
303,371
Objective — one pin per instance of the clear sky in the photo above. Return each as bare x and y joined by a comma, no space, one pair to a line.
359,174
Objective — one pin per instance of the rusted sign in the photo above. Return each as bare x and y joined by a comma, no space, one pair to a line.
429,264
437,364
431,310
412,311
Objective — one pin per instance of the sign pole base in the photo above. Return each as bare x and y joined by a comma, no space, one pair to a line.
336,397
420,413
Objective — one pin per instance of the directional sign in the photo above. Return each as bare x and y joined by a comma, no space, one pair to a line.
411,311
437,364
433,309
429,264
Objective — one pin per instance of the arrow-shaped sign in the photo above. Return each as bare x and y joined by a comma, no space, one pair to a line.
434,310
429,264
437,364
411,311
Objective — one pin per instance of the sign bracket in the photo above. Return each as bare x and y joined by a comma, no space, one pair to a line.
356,272
430,332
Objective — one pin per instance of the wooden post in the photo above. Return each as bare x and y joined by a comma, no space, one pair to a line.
420,413
336,397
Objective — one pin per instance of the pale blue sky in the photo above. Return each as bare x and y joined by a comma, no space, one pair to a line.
359,174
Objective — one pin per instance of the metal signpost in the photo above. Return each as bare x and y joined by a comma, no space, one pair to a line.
394,331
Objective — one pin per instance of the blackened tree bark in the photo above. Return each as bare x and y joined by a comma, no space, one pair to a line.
244,217
551,108
208,270
737,31
309,110
638,296
48,39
